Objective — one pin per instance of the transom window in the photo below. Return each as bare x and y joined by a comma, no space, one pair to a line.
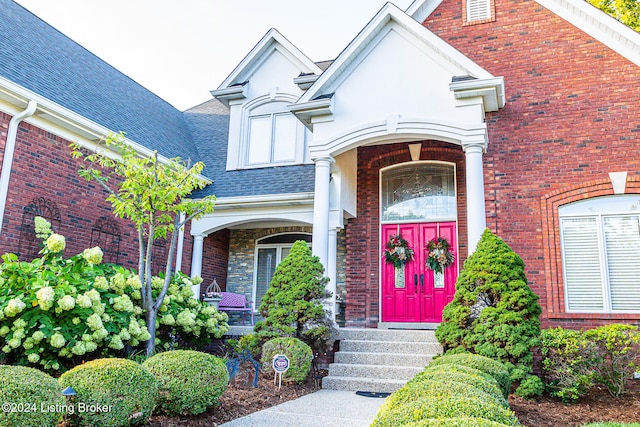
418,192
270,251
601,254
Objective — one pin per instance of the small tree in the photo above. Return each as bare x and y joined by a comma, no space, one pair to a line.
292,305
625,11
494,313
154,195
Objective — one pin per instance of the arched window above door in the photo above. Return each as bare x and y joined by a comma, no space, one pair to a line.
418,192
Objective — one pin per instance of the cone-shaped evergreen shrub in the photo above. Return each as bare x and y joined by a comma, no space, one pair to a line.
292,305
494,313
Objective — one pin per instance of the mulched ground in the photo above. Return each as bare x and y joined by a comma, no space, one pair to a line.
239,400
598,406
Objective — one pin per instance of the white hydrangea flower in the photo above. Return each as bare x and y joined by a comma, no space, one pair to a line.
19,324
19,334
14,342
186,319
157,283
101,283
116,343
57,340
55,243
42,227
167,320
84,301
134,282
4,331
93,255
33,357
79,348
76,321
123,303
134,328
93,295
118,283
90,346
14,306
98,308
125,335
67,302
100,334
95,322
37,336
45,297
28,344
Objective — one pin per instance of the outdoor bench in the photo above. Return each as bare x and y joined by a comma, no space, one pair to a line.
236,302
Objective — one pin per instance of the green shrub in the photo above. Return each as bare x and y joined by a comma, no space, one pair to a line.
124,387
493,313
56,312
568,362
492,367
250,341
442,387
293,304
531,387
27,391
463,374
189,382
298,352
617,348
609,424
456,422
442,405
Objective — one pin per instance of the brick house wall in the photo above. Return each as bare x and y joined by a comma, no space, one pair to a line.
571,116
215,259
363,233
43,167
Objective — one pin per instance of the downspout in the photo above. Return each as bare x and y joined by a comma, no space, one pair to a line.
180,245
9,148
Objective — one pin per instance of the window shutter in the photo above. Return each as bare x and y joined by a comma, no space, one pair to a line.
622,243
583,281
478,10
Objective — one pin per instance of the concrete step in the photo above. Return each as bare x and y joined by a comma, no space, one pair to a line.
396,359
374,371
362,384
362,346
386,335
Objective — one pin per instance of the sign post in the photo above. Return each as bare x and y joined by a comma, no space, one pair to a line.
280,366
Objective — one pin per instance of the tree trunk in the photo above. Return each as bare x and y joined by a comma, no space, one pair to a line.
150,317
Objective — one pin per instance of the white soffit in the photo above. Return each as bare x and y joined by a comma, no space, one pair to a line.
598,25
273,39
388,15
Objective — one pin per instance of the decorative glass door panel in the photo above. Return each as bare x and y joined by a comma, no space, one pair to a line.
423,296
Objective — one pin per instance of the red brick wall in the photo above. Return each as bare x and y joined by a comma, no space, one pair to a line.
215,259
363,232
43,167
572,116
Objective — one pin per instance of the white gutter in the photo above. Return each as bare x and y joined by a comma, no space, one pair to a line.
9,149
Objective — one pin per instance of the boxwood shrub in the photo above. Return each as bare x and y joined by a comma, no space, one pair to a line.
456,422
457,373
492,367
299,355
189,381
439,387
21,385
126,389
443,405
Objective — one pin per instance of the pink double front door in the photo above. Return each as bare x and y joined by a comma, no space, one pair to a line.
415,294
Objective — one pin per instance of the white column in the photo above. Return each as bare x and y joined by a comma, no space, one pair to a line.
476,213
332,271
320,242
196,261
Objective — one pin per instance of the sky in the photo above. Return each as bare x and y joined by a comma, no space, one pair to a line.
182,49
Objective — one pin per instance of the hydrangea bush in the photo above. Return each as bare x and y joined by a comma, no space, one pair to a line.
54,309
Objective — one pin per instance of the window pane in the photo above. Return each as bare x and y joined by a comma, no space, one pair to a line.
419,193
583,280
622,242
264,272
284,148
259,139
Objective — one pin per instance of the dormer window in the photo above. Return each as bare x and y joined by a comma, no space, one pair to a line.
478,11
272,139
272,136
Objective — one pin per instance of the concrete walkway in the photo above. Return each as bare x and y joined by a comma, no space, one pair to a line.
323,408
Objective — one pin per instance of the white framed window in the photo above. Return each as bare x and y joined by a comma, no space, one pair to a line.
270,251
272,138
478,10
600,240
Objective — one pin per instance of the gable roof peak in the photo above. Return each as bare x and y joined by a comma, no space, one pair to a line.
265,46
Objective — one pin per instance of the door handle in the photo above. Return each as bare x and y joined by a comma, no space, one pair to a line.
422,282
415,282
